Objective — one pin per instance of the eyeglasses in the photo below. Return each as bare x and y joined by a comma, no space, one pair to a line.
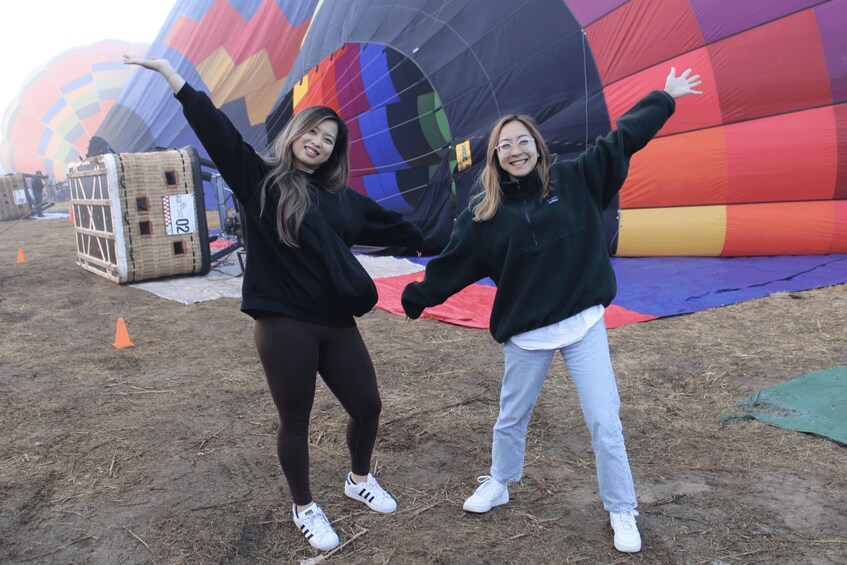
507,147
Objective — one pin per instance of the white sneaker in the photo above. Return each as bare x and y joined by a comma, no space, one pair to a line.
371,493
315,526
627,538
490,493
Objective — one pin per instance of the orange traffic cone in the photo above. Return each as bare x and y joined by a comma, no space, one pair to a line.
122,336
21,257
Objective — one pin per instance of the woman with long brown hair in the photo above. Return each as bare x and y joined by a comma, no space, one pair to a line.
302,284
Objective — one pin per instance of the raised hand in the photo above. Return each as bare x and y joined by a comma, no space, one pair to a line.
161,66
152,63
683,84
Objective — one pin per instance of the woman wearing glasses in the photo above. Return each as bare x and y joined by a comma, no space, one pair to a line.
537,231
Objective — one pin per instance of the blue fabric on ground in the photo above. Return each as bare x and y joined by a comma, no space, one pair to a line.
665,286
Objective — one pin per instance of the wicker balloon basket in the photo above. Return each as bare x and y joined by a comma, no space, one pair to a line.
140,216
14,203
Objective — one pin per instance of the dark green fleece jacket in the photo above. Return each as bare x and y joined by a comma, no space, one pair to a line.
548,257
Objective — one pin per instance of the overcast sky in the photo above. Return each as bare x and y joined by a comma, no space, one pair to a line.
34,31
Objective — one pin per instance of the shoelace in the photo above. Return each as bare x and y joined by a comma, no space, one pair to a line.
316,522
626,520
374,489
489,485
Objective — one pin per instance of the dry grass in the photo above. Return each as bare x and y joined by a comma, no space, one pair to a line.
165,452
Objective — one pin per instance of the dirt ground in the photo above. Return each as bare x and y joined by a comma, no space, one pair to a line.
165,452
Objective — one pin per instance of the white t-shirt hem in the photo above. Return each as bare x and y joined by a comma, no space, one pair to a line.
561,334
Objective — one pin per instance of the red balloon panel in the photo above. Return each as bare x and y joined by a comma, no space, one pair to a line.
783,158
640,34
693,112
776,68
841,132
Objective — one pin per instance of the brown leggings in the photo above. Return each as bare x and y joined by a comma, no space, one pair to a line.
292,352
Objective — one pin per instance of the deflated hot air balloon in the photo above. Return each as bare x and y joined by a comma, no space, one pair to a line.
239,52
61,105
399,138
756,166
421,82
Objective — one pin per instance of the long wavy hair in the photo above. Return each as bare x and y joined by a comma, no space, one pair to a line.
492,173
287,185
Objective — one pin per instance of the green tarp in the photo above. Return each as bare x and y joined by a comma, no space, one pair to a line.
815,403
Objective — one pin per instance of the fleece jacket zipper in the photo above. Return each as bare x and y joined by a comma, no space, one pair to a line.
529,223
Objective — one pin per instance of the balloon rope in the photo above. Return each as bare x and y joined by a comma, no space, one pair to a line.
585,80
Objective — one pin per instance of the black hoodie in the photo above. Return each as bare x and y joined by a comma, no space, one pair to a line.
321,281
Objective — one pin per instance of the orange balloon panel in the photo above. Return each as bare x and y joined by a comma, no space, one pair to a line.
839,236
679,170
24,128
784,228
320,89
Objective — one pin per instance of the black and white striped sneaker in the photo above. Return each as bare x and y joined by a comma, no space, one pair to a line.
315,526
371,493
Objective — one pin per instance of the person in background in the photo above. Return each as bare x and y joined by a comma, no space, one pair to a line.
537,231
302,285
37,191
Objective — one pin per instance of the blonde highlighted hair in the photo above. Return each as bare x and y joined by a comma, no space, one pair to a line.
287,185
492,173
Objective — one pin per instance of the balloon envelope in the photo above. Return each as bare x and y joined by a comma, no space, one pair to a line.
61,105
238,52
757,165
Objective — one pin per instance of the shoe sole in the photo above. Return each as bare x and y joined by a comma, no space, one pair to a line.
482,509
319,548
356,497
624,549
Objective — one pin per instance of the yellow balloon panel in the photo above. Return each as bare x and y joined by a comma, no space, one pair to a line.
693,230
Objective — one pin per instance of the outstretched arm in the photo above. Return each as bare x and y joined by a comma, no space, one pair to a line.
387,227
604,166
238,163
457,267
161,66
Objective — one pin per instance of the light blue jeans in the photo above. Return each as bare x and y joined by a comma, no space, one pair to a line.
590,368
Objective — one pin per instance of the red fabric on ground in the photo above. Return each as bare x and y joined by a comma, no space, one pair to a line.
472,306
617,316
219,244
